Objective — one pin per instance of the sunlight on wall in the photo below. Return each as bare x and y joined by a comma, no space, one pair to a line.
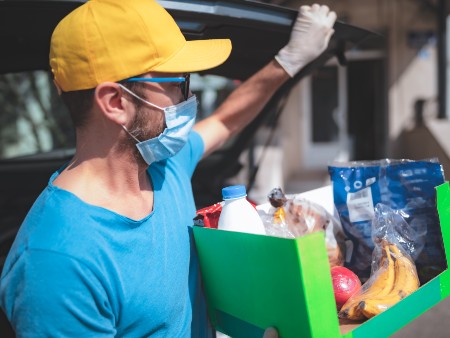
418,81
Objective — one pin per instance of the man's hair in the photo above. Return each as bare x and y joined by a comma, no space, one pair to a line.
80,102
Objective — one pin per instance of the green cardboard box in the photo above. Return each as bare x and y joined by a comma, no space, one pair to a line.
253,282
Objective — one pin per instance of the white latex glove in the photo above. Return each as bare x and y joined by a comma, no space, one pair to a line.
310,35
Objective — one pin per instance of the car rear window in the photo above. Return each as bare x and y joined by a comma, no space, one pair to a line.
34,120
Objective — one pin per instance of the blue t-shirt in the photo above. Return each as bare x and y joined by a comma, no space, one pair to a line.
80,270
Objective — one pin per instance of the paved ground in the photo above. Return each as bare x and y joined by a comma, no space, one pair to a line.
435,323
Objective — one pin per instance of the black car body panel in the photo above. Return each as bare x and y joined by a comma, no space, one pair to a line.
256,30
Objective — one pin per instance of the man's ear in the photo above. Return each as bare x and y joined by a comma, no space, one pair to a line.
109,99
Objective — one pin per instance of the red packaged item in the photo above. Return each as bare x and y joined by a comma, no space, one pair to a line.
208,217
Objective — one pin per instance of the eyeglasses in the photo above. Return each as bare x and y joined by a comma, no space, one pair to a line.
184,82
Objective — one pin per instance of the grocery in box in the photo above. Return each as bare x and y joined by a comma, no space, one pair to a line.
379,240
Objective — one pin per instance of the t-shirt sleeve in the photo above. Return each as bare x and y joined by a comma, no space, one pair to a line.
48,294
191,154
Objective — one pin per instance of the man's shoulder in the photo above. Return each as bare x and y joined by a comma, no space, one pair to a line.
57,222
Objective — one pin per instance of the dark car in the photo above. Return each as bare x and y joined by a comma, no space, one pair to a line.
36,137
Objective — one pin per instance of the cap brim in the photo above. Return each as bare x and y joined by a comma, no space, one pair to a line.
197,55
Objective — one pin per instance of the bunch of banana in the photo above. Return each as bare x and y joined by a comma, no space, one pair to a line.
395,279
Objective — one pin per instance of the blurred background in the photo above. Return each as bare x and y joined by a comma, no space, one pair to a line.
390,100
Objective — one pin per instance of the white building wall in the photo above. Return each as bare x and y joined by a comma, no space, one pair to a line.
412,72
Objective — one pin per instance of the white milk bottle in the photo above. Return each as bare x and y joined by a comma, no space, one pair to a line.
237,213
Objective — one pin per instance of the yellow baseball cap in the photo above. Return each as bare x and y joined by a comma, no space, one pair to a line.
111,40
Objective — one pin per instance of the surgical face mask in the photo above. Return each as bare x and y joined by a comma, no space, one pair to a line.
179,118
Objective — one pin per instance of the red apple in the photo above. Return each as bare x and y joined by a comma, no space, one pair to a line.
345,284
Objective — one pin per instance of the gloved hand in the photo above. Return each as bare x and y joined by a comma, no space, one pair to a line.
309,38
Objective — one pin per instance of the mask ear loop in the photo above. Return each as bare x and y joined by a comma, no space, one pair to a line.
128,132
139,98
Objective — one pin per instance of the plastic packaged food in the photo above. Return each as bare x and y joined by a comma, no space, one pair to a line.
404,185
393,272
208,217
295,216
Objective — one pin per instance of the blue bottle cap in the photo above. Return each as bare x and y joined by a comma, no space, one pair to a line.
234,191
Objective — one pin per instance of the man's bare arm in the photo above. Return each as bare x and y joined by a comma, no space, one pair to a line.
242,106
309,37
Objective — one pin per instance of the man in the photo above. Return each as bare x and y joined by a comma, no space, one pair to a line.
106,249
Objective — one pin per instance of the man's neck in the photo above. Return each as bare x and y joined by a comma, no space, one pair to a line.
118,184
